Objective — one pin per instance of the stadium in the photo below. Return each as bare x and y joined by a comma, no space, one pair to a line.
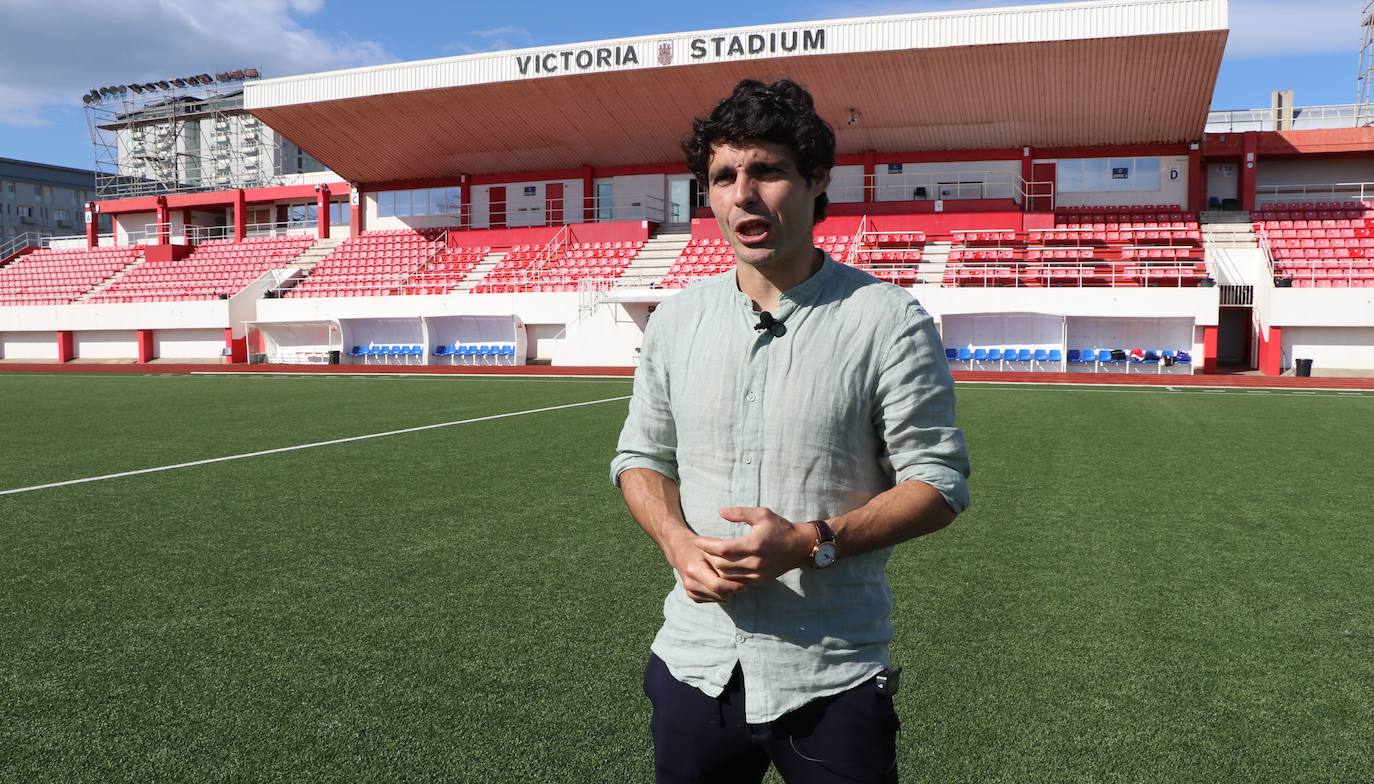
306,436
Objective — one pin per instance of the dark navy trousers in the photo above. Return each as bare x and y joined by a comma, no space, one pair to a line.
847,737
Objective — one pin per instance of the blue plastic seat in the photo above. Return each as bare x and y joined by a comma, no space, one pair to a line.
1024,355
980,355
965,355
417,350
994,355
358,351
1056,355
374,350
1041,355
508,351
1168,352
951,353
1184,358
1075,355
441,350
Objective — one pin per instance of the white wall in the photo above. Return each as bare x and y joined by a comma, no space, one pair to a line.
522,210
1347,307
1223,180
1003,330
1330,348
1129,333
117,315
1239,266
105,344
131,222
28,345
188,343
1171,191
846,184
980,179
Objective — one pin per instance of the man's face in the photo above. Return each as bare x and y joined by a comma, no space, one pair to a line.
762,203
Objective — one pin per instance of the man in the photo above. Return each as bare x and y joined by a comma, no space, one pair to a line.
791,421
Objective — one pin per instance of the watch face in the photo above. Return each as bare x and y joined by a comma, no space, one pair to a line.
825,554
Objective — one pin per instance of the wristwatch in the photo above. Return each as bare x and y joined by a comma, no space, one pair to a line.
824,553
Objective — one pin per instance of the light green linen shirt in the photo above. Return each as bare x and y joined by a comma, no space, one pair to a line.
855,397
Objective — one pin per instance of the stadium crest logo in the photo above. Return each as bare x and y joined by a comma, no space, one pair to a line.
665,54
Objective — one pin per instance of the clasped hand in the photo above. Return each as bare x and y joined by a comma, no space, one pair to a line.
713,570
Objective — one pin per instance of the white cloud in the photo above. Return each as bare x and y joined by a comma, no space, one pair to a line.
57,50
1259,28
492,40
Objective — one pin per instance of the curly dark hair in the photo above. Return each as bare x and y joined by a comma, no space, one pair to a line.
782,113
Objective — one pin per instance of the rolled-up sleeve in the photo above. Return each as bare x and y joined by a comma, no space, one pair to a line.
915,411
649,438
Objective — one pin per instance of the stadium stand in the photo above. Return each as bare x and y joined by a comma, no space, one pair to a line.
379,263
1088,246
1319,244
52,276
557,266
216,268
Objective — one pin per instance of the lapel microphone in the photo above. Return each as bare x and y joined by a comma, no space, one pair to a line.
774,327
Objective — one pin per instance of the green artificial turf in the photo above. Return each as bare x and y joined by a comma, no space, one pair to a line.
1150,586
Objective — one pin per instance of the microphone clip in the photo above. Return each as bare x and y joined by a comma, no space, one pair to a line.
774,327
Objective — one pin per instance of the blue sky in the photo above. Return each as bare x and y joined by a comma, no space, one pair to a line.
57,49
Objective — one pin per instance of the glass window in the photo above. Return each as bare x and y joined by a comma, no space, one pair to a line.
1070,176
1120,178
1096,174
455,201
604,207
386,204
1147,174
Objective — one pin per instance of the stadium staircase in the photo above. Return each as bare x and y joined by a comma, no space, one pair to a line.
653,261
58,276
113,279
316,252
475,275
1228,230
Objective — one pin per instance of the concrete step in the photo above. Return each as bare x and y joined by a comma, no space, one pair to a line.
110,281
475,275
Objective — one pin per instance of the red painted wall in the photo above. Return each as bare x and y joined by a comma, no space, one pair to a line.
623,231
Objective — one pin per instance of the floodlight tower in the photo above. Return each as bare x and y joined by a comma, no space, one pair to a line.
1365,90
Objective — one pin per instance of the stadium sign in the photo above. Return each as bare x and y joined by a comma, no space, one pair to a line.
784,42
712,48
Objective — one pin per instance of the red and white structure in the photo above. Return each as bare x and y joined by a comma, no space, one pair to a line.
1043,178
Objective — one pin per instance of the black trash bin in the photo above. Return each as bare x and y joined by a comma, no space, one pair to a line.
1304,367
334,357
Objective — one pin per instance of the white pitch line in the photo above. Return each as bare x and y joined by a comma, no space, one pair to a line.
299,447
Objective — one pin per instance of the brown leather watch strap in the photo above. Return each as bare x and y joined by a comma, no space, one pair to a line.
824,533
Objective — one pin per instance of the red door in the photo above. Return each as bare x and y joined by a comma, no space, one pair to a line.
1040,190
553,195
496,199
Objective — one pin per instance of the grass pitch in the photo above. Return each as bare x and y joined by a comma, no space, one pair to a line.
1150,586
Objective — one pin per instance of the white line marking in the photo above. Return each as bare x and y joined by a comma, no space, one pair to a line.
298,447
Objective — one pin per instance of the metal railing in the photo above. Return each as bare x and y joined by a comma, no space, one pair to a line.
1348,115
1266,250
1304,118
199,234
1332,274
1068,274
927,186
29,239
1304,192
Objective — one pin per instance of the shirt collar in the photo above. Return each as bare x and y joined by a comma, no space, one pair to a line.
802,294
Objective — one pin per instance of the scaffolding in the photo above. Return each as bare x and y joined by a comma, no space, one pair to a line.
1364,94
178,136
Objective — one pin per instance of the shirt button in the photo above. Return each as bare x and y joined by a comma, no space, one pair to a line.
751,397
739,638
748,457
